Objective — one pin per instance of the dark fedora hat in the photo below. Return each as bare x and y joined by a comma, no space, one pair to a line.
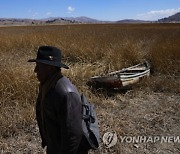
49,55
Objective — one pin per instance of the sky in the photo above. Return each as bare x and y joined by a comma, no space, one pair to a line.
111,10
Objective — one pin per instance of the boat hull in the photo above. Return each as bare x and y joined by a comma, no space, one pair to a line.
122,78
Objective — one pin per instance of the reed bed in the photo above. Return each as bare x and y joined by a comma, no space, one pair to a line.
89,50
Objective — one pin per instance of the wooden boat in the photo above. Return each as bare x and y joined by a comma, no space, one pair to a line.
122,78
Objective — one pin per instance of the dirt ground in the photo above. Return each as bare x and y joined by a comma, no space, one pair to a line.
135,113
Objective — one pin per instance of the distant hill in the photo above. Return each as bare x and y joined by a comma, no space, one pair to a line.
51,20
61,20
133,21
21,22
84,19
171,19
79,20
14,21
58,21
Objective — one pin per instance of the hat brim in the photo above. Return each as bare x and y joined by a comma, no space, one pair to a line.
52,63
32,60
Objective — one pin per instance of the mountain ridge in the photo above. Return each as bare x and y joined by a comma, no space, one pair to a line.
171,19
81,20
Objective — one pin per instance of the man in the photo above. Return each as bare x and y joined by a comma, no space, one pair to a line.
58,108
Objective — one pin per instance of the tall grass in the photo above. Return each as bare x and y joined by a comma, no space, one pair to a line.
89,50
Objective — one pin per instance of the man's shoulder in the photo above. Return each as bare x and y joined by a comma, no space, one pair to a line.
64,86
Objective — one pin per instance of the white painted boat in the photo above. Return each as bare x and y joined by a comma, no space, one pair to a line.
122,78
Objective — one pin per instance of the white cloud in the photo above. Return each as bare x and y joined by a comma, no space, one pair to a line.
70,9
157,14
48,13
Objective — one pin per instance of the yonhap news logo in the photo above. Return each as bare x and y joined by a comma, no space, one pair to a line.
149,139
110,139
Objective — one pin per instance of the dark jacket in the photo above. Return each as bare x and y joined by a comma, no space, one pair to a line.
60,128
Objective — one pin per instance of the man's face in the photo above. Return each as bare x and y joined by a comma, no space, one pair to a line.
42,71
